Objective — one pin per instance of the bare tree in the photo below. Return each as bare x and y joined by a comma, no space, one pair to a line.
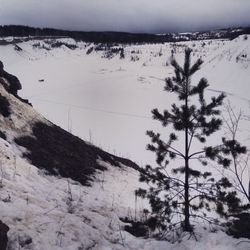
238,153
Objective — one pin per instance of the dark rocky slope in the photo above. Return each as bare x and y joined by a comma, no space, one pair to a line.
59,152
53,149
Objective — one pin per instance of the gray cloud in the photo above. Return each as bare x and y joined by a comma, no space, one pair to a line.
126,15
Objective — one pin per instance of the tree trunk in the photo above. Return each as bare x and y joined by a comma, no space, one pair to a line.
187,226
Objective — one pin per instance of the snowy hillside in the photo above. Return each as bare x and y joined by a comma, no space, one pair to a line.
107,101
44,212
35,205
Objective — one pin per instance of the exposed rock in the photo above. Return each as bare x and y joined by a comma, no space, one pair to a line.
4,106
59,152
3,236
11,83
2,135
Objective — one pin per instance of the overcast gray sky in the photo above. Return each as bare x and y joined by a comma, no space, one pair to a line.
155,16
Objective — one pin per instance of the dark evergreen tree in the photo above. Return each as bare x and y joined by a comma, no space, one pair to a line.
184,191
122,55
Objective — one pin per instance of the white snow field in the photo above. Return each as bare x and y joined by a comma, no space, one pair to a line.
108,102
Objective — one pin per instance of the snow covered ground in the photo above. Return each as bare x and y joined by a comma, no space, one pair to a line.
108,102
62,214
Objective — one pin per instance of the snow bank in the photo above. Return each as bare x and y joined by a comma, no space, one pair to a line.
57,213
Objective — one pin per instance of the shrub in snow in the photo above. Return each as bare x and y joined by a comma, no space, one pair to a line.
19,240
240,227
36,45
17,48
90,50
122,55
58,44
24,239
136,228
134,58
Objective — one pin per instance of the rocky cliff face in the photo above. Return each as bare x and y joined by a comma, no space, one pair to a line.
10,82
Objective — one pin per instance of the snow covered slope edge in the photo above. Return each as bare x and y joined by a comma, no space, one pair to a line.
48,146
